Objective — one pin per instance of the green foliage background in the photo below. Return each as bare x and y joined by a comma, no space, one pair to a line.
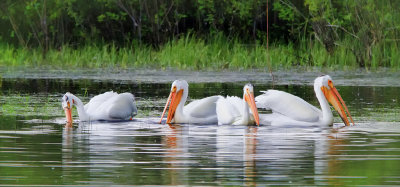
316,32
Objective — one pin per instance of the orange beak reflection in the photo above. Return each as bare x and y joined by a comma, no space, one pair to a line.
249,98
333,96
173,100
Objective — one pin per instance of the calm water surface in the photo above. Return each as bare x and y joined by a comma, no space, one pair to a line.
37,148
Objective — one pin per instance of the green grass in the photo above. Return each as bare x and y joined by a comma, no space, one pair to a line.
26,105
192,53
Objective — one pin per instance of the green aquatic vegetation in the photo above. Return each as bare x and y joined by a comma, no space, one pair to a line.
383,114
8,109
189,52
25,105
149,107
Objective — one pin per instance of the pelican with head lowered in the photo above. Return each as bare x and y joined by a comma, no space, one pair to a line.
202,111
236,111
109,106
289,109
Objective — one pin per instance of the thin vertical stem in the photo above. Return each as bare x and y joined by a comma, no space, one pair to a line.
268,59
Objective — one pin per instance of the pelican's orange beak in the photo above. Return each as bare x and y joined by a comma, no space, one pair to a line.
174,98
333,96
68,113
249,98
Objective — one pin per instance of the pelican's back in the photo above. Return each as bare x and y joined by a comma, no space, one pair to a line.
112,106
202,108
121,106
98,100
229,109
288,105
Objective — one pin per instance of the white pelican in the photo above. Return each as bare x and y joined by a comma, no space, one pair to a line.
289,109
236,111
200,111
109,106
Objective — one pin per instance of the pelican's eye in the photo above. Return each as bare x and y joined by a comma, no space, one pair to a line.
330,83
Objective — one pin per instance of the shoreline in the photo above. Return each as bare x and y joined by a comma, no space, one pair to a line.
360,77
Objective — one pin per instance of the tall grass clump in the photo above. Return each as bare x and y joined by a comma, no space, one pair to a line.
393,55
7,55
215,52
185,53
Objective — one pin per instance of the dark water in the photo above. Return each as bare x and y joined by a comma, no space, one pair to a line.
37,148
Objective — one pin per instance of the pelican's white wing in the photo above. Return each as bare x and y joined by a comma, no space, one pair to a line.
112,106
98,100
202,108
228,110
288,105
121,106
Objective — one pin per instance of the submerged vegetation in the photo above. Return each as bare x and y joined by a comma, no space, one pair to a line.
25,105
201,34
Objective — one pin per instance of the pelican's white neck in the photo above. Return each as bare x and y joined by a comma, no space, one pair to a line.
244,119
179,114
246,115
83,116
327,117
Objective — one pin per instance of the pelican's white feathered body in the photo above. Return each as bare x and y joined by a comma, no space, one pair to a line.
236,111
109,106
198,111
229,110
288,109
202,111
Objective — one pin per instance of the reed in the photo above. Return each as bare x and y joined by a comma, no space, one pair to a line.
216,52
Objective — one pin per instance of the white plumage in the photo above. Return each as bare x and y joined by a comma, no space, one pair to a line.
288,109
288,105
109,106
228,110
236,111
202,111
